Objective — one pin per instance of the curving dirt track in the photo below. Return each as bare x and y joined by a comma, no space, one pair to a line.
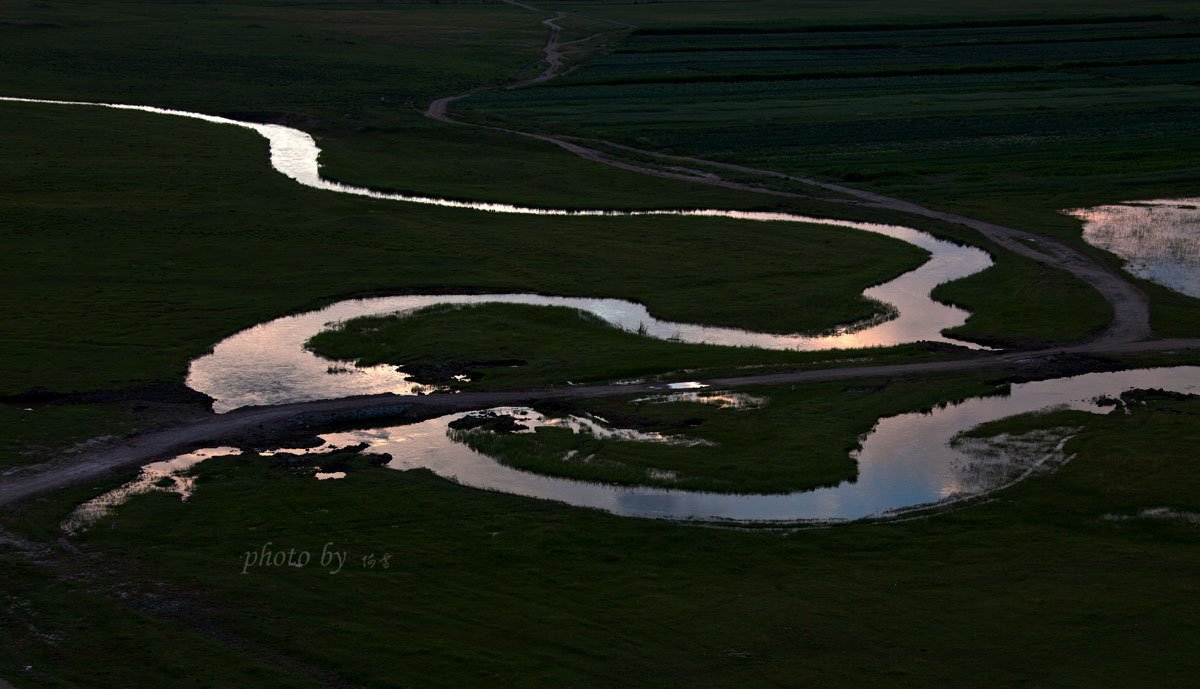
555,64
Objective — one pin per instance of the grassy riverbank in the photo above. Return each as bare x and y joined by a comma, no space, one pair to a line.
141,252
499,346
375,72
136,253
752,450
354,75
526,593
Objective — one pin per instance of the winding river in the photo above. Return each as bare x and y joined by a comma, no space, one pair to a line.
267,364
905,462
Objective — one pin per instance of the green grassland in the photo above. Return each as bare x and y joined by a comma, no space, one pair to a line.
515,592
1012,118
140,250
356,74
772,15
352,74
972,119
337,60
1010,287
415,155
33,433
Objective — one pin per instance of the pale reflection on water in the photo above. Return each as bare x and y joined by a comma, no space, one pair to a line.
168,476
986,463
1159,240
905,461
268,363
265,365
721,400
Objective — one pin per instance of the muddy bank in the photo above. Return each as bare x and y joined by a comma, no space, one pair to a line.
1010,343
492,422
1058,366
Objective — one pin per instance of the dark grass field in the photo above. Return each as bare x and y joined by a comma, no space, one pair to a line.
483,587
315,59
132,243
118,53
142,250
720,16
1059,111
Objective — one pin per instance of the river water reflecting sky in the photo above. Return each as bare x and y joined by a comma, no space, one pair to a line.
905,461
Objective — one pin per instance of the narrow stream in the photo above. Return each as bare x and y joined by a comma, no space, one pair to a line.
267,364
906,461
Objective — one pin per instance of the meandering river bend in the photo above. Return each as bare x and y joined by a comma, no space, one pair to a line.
906,461
268,365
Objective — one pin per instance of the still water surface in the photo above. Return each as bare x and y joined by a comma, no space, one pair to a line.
1159,240
267,364
906,461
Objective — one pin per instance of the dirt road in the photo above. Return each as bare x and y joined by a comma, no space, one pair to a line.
217,429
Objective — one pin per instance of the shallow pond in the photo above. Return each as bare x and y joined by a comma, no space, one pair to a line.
1159,240
906,461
